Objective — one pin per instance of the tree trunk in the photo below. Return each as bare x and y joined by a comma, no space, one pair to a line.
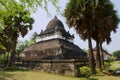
13,52
102,56
6,59
98,58
91,57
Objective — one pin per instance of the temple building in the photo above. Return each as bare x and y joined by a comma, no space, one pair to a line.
54,51
103,53
54,43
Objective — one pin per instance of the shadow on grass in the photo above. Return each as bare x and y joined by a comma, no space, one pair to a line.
117,75
117,69
5,75
117,72
92,79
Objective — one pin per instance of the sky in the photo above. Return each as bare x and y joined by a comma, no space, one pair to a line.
41,20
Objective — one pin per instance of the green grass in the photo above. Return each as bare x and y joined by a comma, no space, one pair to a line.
32,75
115,65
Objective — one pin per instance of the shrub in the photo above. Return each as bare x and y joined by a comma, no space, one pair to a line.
1,69
111,59
85,71
13,68
106,64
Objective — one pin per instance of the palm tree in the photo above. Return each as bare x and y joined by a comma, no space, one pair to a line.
107,22
92,19
79,14
102,56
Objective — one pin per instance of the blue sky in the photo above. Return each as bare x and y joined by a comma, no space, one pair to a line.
41,21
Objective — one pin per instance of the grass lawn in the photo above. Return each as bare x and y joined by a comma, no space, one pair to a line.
32,75
115,65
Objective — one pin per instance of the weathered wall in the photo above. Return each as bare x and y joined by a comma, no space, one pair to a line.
60,68
65,67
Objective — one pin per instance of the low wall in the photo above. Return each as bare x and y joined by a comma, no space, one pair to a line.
65,67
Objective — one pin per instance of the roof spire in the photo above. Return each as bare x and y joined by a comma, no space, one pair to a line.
55,17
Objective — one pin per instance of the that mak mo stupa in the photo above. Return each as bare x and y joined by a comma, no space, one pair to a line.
54,51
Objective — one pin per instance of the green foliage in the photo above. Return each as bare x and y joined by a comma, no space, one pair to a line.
106,65
15,24
85,71
15,20
11,9
30,5
117,54
2,46
94,19
13,68
21,45
1,69
4,58
111,59
1,59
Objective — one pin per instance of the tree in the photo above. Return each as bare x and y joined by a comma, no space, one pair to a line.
15,19
34,35
79,15
30,5
21,45
15,25
106,23
102,56
92,19
116,54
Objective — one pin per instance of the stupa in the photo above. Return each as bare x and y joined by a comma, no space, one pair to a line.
54,43
54,50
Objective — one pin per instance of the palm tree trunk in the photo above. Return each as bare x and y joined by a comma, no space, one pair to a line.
98,58
91,57
102,56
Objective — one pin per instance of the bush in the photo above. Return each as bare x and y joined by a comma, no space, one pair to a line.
13,68
106,64
85,71
1,69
